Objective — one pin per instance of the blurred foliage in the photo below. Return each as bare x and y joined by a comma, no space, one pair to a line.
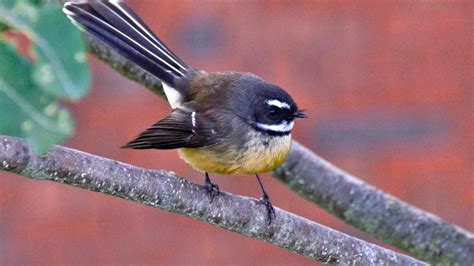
55,69
3,27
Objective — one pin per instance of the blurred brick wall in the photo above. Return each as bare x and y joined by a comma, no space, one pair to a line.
387,86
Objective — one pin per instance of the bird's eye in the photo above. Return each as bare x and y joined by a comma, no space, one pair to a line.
273,112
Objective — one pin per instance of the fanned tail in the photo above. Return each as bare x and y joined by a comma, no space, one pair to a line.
120,28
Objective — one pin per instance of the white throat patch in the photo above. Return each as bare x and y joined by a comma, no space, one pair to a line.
284,126
279,104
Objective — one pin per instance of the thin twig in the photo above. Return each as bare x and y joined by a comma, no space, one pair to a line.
165,190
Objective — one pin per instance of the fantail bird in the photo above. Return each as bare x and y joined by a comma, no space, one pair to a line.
222,122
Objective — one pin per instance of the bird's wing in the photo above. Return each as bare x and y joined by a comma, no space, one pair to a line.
182,128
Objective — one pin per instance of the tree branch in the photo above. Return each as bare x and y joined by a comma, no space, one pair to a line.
389,219
164,190
385,217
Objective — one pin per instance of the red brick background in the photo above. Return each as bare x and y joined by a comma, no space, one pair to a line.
387,85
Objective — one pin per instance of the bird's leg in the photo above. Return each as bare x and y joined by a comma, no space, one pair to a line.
265,200
212,189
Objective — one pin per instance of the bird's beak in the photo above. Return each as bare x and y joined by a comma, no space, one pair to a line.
299,114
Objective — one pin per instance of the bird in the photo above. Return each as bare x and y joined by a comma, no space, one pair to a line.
229,123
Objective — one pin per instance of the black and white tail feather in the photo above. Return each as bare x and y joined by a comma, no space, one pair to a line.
116,25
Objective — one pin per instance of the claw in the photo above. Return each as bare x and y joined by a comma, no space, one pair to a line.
265,200
211,189
268,205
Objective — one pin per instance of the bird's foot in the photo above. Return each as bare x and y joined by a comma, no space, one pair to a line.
265,200
211,189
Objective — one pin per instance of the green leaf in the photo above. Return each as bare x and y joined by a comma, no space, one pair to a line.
25,110
3,27
37,2
60,67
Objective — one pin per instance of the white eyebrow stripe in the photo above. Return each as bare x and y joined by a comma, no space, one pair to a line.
282,127
279,104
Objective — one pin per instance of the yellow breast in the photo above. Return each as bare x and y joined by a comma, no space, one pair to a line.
261,154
